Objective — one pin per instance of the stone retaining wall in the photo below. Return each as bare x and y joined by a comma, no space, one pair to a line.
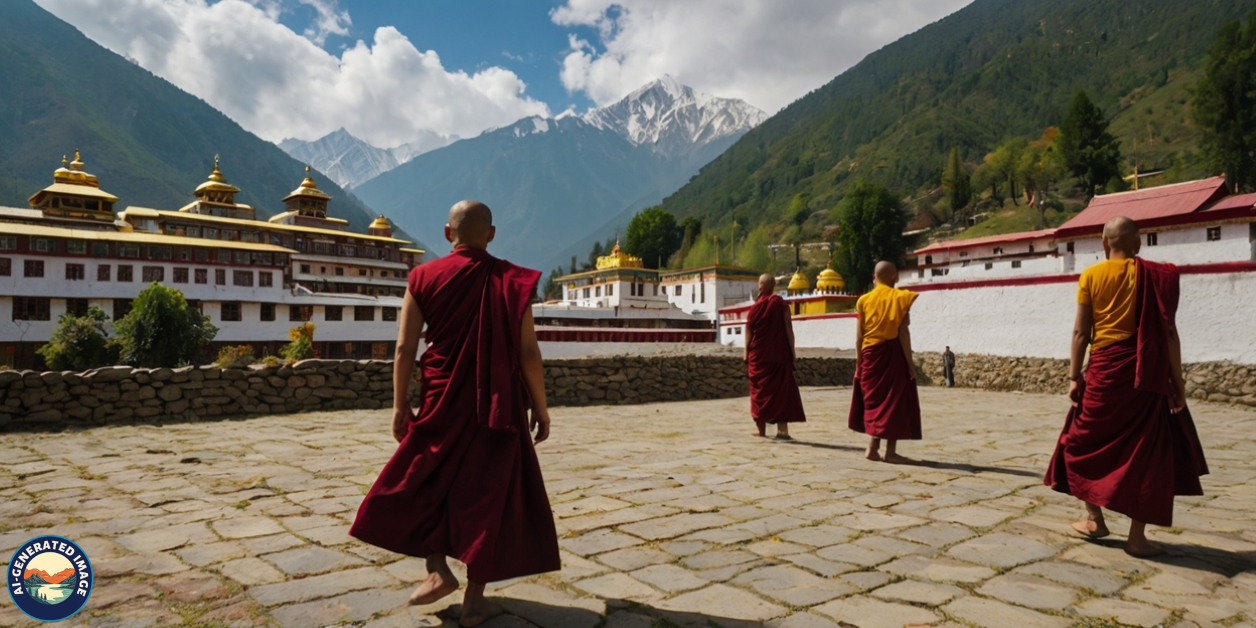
1222,382
122,395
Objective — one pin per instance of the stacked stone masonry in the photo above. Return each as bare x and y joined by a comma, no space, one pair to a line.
1221,382
125,395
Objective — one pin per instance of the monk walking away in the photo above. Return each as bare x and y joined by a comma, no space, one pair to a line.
884,403
465,481
1129,443
774,396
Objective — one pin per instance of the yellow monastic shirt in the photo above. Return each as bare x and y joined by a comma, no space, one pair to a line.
882,311
1110,288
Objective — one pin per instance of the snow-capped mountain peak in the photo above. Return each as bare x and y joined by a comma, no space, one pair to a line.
671,116
350,161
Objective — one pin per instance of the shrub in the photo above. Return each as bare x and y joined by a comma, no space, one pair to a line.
79,343
302,345
235,357
271,361
162,330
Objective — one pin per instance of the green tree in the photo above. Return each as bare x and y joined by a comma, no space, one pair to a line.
956,182
1091,153
301,345
653,235
1224,104
1041,166
551,290
870,224
989,177
79,342
162,330
690,229
1004,161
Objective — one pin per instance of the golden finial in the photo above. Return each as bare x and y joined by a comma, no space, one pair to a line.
217,175
77,164
307,170
308,183
63,161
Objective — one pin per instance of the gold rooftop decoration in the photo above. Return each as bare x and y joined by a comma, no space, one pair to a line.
619,259
830,282
798,283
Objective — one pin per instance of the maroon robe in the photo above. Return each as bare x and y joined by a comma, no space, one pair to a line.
465,481
884,402
774,396
1122,449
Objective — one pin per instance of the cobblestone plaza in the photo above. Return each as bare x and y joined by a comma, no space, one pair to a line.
668,515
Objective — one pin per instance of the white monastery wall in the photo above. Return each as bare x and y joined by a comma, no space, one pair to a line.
825,333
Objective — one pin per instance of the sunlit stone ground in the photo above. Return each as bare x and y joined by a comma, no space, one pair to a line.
669,514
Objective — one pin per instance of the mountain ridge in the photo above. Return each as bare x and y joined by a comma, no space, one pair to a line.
351,161
553,181
149,142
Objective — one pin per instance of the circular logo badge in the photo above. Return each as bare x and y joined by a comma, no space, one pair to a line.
50,578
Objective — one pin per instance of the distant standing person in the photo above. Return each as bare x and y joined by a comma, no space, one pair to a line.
1128,443
769,355
948,367
465,481
884,403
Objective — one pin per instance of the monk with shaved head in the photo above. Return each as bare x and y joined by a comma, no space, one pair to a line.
774,396
465,481
884,403
1129,443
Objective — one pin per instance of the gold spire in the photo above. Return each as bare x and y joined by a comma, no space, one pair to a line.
217,176
308,182
830,282
380,223
77,164
798,283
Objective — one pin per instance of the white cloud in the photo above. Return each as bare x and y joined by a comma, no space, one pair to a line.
236,56
766,52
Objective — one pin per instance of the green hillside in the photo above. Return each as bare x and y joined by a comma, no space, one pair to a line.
993,70
150,143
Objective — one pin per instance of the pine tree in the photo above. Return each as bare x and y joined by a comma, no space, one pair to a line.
1225,104
870,229
956,182
1089,150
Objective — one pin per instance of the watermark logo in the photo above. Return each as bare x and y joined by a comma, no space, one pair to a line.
50,578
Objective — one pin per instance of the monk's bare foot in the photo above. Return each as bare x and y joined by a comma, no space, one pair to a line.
1143,548
1091,529
478,612
873,455
436,586
897,459
759,435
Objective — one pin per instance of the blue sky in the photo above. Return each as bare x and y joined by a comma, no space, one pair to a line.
471,35
401,72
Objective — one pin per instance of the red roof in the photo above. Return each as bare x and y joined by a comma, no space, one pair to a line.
1241,201
1153,205
987,240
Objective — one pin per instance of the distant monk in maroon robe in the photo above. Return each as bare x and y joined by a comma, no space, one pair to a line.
884,403
465,481
774,396
1129,443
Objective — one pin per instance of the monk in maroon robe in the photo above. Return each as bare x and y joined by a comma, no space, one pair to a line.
884,403
1129,443
774,396
465,481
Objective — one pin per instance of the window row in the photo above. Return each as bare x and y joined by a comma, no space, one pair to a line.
148,274
40,309
153,252
322,247
339,271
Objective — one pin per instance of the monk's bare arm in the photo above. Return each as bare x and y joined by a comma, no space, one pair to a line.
1175,365
1082,331
904,338
789,331
408,337
859,339
534,376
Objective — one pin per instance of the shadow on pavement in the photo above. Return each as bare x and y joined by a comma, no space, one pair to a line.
625,613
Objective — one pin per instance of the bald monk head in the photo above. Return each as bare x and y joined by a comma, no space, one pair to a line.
1120,236
470,225
767,284
886,274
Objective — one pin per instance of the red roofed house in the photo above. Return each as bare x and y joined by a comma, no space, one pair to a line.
1197,222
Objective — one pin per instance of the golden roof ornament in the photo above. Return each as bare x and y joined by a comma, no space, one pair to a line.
217,182
77,164
830,282
308,182
799,283
619,259
217,176
380,223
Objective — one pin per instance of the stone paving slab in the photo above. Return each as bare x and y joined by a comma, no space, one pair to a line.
668,514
